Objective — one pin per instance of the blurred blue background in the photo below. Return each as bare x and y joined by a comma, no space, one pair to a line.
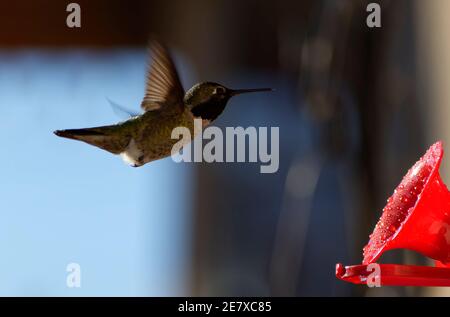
65,202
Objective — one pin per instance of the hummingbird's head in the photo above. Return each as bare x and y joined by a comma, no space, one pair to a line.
208,100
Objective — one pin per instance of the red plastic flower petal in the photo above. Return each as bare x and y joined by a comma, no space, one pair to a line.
402,203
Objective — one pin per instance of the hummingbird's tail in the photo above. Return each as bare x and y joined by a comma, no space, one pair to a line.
102,137
77,134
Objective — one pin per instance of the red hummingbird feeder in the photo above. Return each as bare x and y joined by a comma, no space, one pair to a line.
416,217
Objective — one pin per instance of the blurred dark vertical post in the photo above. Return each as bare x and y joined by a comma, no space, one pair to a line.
433,61
357,109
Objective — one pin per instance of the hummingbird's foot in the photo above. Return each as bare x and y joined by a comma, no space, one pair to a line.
139,162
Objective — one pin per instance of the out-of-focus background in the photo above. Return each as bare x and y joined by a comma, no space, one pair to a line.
356,108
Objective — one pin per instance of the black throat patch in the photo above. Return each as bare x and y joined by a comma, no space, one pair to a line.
210,110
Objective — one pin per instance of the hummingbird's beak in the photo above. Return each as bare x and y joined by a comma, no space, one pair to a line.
234,92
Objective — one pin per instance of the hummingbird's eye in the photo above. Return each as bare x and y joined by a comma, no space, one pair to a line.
219,91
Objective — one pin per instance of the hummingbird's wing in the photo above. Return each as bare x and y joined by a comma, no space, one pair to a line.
121,111
163,87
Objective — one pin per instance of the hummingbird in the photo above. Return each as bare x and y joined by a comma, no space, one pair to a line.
147,137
